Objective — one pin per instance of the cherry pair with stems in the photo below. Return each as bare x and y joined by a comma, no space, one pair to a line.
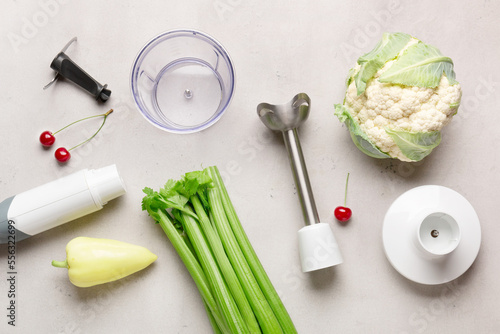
62,154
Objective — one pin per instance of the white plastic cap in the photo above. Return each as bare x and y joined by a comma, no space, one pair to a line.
318,247
105,183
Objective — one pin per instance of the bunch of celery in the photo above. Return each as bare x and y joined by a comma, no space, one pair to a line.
199,219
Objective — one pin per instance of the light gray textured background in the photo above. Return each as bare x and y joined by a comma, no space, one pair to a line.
279,48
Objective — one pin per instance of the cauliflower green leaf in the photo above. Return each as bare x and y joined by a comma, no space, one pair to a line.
358,136
387,49
421,65
415,145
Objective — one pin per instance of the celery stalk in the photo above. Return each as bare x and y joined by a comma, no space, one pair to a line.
223,297
214,324
204,229
252,258
267,320
225,266
192,266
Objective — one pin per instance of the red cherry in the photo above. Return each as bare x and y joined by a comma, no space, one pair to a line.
47,139
342,213
62,154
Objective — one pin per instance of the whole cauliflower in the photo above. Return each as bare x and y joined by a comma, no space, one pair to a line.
399,96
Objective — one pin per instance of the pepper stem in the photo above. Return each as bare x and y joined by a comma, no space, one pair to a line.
60,264
345,195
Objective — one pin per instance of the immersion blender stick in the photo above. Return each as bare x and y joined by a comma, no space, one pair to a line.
318,248
301,177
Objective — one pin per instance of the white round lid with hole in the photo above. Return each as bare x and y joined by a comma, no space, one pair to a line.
402,228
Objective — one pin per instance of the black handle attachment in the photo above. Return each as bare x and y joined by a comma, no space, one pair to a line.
67,68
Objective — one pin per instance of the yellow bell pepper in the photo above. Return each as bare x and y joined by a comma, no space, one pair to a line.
92,261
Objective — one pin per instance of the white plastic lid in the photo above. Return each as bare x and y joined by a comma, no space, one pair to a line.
105,183
318,247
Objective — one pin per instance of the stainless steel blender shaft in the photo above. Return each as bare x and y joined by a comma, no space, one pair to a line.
300,176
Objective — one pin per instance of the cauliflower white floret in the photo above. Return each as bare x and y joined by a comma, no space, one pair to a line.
399,96
413,109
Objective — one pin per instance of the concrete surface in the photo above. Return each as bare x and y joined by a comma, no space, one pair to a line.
279,48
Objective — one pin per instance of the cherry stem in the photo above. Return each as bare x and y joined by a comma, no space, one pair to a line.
83,119
345,195
95,134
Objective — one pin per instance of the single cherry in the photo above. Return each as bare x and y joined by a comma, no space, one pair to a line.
343,213
62,154
47,139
